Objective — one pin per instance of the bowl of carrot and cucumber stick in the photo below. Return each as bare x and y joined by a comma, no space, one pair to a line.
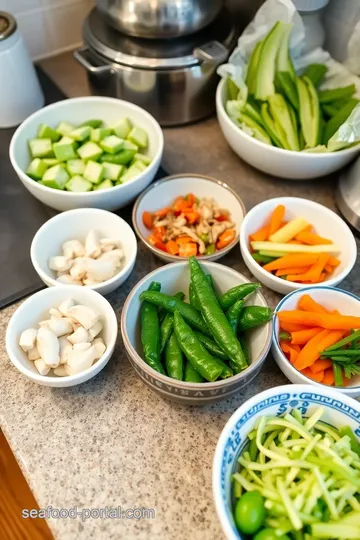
290,243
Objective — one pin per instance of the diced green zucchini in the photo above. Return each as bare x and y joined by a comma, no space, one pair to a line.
112,144
92,123
142,157
55,177
122,158
131,173
75,166
46,132
65,149
139,164
41,148
123,128
138,136
128,145
78,183
36,169
99,134
105,184
93,171
112,170
64,128
51,161
90,150
81,134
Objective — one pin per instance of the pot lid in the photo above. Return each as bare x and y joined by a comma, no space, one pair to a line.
158,53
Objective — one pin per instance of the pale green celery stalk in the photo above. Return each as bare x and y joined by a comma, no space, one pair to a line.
335,530
252,67
298,416
310,422
328,499
334,468
320,426
264,447
295,442
291,510
255,478
313,495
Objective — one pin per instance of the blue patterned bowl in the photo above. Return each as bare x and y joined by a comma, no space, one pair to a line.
338,410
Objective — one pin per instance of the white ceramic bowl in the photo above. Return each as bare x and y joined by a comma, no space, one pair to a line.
174,278
325,222
277,161
75,224
165,191
338,411
344,301
36,308
76,111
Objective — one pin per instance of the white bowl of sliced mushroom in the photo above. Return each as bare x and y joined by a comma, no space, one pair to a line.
84,247
62,336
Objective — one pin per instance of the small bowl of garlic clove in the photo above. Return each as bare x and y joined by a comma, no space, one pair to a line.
85,247
62,336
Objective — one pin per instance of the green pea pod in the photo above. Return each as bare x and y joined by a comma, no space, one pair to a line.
245,347
167,325
193,300
150,332
215,318
240,292
174,358
233,314
195,352
253,316
212,346
191,375
174,304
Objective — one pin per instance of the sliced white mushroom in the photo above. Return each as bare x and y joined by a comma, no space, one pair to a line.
60,263
107,244
115,255
84,315
65,349
101,270
79,268
80,336
80,360
48,347
42,368
55,313
96,329
92,244
60,371
27,339
60,327
84,346
66,279
100,347
66,305
73,248
33,353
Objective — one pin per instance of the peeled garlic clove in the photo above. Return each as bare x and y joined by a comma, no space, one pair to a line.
80,336
60,371
42,368
33,354
115,255
48,347
84,315
60,327
96,329
90,282
65,349
84,346
60,263
101,270
79,268
45,323
27,339
66,279
55,313
92,244
80,360
73,248
107,244
66,305
100,348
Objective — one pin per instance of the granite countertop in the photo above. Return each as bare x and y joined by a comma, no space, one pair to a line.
112,441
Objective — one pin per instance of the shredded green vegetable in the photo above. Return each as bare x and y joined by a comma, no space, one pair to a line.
308,474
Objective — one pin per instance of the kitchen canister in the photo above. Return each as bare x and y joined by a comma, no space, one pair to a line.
20,92
312,12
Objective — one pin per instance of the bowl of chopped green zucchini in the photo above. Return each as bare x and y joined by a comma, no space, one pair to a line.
94,152
285,123
195,333
287,467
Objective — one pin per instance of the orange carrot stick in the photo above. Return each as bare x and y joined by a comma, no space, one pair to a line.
320,365
261,235
303,336
333,261
328,377
289,350
314,273
328,268
318,376
312,239
292,260
315,347
290,327
291,270
306,303
277,218
329,321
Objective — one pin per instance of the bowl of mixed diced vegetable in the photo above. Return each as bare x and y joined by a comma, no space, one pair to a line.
287,467
87,152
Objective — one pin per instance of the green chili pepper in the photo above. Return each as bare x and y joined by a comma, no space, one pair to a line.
212,346
245,347
233,314
355,446
150,331
195,352
210,249
174,304
191,375
215,319
253,316
174,358
262,259
240,292
285,336
349,339
227,371
338,374
167,325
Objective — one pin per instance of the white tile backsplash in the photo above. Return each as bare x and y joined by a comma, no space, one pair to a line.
49,26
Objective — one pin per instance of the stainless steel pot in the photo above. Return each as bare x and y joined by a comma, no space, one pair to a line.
159,18
175,84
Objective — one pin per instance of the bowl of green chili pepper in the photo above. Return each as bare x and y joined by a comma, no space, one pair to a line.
196,333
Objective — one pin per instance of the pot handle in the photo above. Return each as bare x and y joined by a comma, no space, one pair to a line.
212,52
79,56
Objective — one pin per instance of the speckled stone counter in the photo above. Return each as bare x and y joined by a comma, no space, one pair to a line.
112,441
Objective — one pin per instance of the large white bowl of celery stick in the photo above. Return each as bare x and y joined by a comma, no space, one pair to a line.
87,152
286,126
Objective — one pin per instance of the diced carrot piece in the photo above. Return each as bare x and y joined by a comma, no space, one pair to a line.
159,233
290,351
188,250
183,240
296,259
291,327
152,239
225,238
328,377
223,217
147,220
301,337
318,377
276,219
306,303
320,365
172,247
192,217
333,261
261,235
291,270
312,239
180,204
162,212
191,199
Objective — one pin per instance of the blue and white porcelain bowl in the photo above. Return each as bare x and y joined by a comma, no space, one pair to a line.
339,410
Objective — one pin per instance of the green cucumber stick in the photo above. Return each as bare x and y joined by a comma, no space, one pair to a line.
276,133
309,111
258,132
279,110
283,60
286,86
326,96
316,73
252,67
232,88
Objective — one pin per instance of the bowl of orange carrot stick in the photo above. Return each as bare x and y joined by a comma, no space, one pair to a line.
316,338
290,243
